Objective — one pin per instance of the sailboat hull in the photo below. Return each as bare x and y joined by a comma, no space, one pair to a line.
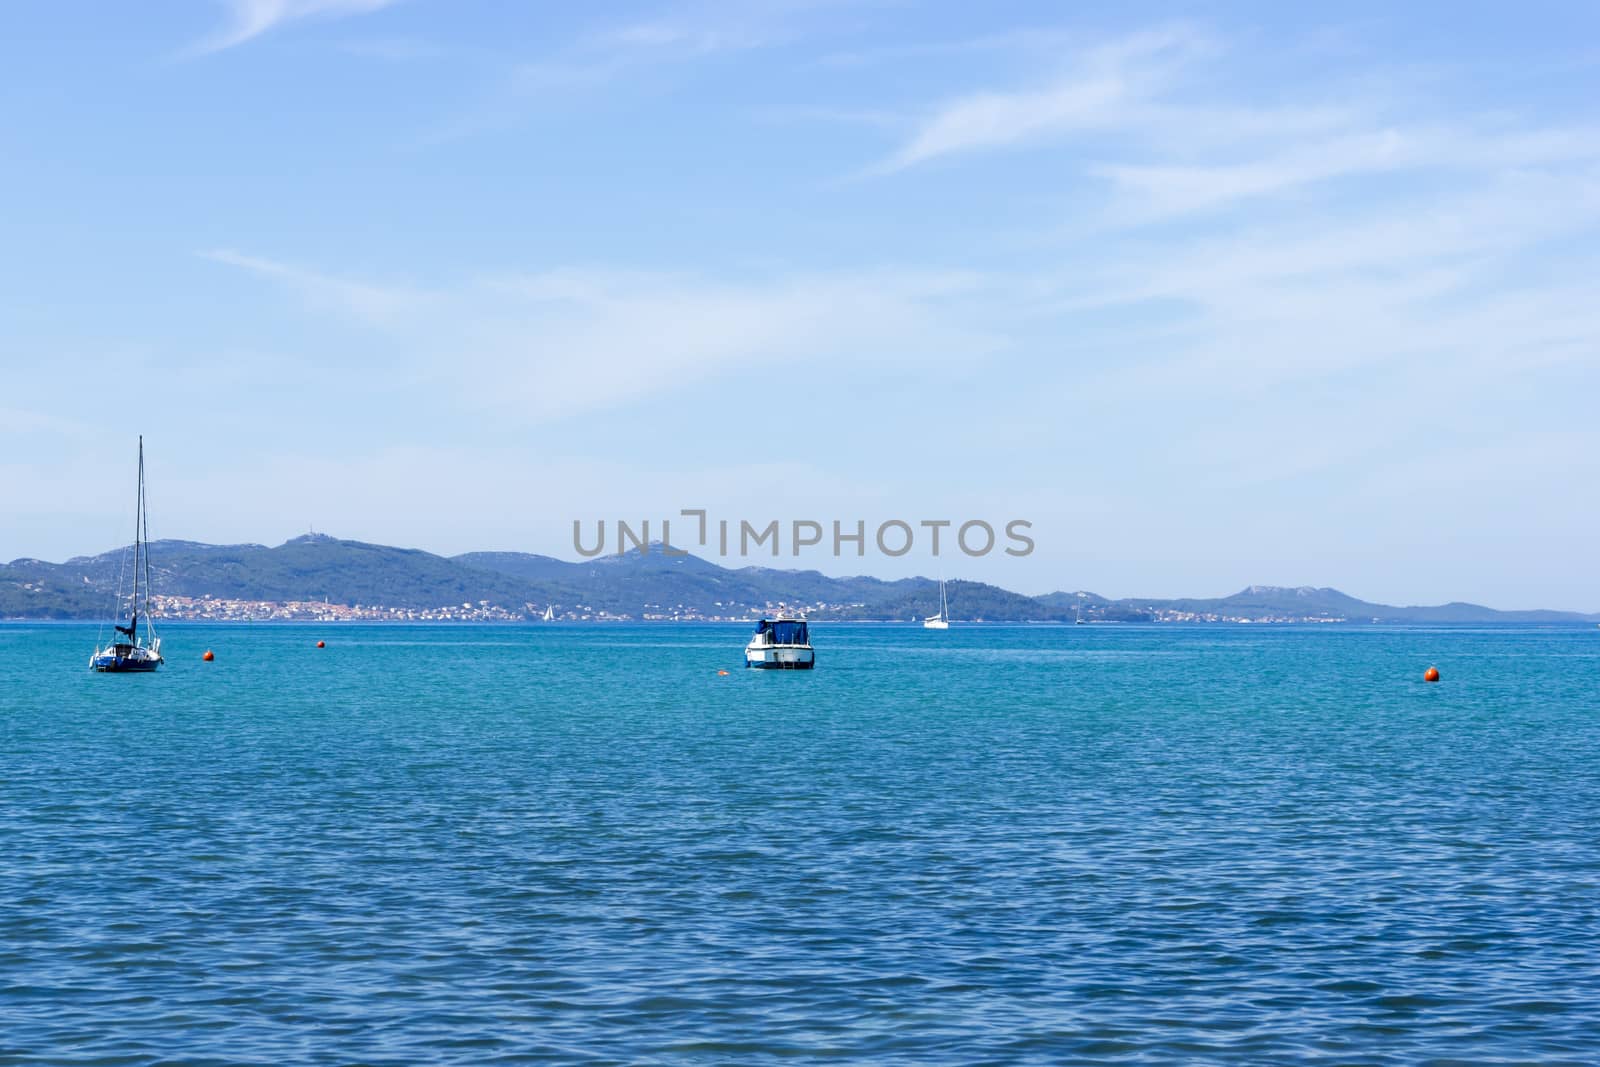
124,664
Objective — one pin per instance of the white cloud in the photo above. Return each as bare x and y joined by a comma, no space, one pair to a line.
1159,191
252,18
592,63
1386,252
1171,134
576,342
1164,190
565,342
1019,40
684,38
990,120
1106,83
372,303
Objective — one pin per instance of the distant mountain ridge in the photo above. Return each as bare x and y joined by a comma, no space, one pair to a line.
320,568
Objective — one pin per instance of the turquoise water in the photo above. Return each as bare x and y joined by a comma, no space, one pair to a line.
998,844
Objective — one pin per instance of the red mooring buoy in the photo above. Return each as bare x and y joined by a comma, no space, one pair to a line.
322,644
208,657
1431,674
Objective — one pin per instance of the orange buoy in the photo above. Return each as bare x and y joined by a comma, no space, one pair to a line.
1431,674
719,673
208,657
322,644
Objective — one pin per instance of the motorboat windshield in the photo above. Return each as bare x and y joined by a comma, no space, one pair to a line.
784,631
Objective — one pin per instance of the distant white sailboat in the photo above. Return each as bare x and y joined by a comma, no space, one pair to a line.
940,621
549,613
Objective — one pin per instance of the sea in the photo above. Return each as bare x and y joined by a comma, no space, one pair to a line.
465,844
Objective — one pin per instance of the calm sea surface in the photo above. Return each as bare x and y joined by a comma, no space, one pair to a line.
486,845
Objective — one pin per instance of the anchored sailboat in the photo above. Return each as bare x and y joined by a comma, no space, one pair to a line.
128,651
940,621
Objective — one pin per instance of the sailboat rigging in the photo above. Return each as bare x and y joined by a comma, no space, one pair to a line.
127,652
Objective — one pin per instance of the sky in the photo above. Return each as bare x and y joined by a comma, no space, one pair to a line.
1212,295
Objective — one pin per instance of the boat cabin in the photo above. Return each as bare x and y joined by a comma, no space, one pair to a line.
781,632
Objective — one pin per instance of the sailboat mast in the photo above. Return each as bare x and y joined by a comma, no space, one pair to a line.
144,539
138,506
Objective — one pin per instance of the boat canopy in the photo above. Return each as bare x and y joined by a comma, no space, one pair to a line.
784,631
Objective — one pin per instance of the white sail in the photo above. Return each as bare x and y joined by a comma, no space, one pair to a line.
940,621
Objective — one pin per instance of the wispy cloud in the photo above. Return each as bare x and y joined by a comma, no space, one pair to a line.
1017,40
382,305
581,340
1156,191
249,19
655,52
594,61
564,342
686,38
1165,133
1104,83
605,54
1164,190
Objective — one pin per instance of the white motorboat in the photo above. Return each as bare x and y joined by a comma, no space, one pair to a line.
781,643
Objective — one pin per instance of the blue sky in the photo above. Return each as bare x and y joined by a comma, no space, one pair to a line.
1213,295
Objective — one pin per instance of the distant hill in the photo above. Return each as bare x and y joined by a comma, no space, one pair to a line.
1308,603
317,568
313,567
